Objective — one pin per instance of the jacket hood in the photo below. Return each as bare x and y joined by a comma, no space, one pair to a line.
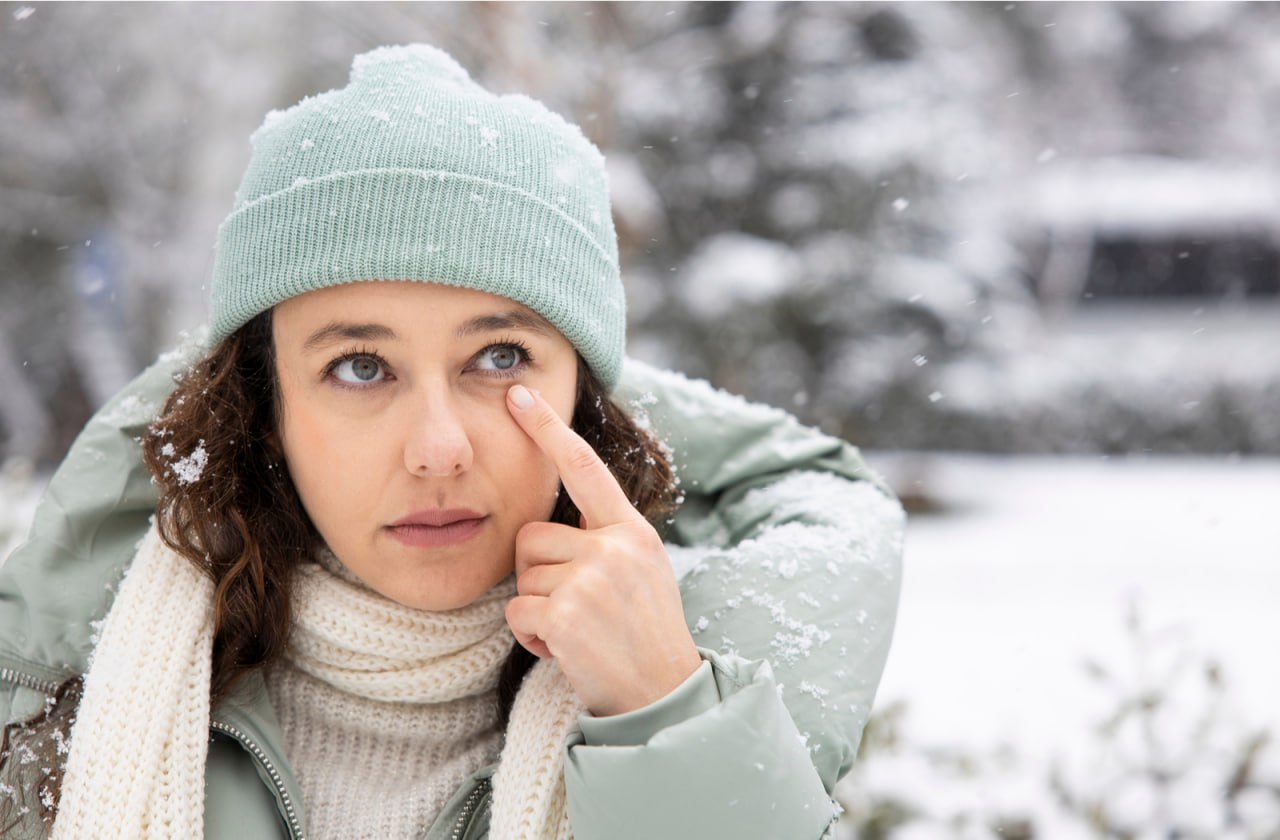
97,507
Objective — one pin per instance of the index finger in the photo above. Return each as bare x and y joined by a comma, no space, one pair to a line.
586,478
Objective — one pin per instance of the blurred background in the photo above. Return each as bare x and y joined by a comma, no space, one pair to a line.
1026,255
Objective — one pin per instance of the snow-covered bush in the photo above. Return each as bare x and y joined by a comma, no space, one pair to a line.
1168,756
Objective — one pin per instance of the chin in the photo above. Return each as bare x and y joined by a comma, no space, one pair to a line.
423,596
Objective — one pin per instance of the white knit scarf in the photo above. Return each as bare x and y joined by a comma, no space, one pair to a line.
141,736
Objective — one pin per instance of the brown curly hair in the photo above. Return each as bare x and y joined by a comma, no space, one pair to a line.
243,524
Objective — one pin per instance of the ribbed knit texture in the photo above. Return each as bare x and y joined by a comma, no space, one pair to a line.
369,768
368,645
415,172
528,787
385,710
141,734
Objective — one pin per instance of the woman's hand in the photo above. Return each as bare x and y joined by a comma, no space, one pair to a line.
602,599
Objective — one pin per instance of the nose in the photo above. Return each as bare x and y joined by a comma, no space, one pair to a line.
438,443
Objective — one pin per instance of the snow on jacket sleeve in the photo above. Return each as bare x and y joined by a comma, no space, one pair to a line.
816,599
789,549
736,768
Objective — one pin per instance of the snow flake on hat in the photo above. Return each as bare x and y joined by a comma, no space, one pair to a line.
567,171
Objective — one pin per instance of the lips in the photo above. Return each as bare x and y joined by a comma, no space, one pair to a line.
436,528
436,517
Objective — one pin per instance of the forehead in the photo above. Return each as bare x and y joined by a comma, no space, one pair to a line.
406,306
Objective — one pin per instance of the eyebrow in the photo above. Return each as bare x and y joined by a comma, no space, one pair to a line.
336,331
515,319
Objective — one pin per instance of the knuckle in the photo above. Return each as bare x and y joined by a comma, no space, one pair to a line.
592,578
654,545
597,549
528,534
645,550
512,612
581,456
546,420
640,531
562,616
533,540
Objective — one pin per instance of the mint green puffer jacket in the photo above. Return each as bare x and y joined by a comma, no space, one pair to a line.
788,549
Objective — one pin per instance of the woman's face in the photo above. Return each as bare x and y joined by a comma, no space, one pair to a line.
397,435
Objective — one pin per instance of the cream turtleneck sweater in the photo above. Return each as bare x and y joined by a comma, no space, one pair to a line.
385,709
369,768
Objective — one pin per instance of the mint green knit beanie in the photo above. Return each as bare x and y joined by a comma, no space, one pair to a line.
415,172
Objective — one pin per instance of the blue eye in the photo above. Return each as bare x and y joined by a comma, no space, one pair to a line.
358,369
503,359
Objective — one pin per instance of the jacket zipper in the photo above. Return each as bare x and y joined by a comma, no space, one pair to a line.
468,809
49,688
46,686
295,828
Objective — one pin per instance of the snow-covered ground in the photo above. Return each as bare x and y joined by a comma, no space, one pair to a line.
1036,564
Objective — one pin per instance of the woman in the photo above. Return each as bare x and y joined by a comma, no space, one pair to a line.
405,576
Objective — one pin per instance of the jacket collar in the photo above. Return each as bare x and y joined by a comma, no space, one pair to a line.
246,714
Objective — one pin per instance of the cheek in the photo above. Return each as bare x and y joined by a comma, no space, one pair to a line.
306,442
523,473
546,478
329,462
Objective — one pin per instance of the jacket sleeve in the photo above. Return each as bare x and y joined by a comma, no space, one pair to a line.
733,768
789,550
808,579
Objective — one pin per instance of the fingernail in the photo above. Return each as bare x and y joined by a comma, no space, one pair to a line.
521,396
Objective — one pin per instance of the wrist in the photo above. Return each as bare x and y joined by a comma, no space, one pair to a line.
656,690
654,687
